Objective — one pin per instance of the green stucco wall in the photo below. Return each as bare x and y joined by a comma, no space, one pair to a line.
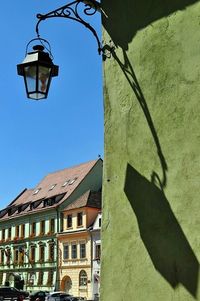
151,207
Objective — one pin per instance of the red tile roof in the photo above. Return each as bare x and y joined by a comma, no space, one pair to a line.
74,175
88,199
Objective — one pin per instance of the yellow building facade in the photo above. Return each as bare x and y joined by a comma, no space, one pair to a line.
76,246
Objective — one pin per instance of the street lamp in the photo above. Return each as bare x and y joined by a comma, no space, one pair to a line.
37,67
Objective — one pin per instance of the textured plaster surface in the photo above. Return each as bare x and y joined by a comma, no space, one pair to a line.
151,225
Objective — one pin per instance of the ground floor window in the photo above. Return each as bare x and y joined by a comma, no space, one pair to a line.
82,278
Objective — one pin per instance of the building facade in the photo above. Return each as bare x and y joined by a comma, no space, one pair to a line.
96,258
76,245
29,251
152,151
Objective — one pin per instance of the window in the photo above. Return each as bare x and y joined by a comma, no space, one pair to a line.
52,187
74,251
9,232
17,231
98,251
65,183
33,229
82,250
32,254
41,253
22,231
80,219
36,191
72,181
1,278
3,234
2,256
51,252
69,220
82,278
52,226
42,227
31,278
16,256
8,256
21,256
99,222
40,277
65,252
50,278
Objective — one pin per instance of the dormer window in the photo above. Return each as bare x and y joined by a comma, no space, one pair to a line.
65,183
52,187
72,181
36,191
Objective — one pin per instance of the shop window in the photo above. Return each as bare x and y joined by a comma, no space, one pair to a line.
82,278
80,219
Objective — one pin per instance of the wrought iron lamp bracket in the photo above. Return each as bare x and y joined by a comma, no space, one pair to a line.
71,11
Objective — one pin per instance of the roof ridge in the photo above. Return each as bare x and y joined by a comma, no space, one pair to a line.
72,167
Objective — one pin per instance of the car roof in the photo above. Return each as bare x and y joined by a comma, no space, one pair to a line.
57,292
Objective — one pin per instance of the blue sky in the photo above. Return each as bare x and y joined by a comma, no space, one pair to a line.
67,127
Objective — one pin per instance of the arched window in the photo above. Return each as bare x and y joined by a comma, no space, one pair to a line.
82,278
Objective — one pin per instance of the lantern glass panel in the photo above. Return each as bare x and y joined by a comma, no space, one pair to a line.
30,78
43,78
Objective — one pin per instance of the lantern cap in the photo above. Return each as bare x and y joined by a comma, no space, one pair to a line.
37,57
38,47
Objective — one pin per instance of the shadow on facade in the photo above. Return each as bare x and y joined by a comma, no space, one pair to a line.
122,19
129,73
161,233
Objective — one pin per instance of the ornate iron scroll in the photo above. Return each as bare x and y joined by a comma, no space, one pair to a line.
70,11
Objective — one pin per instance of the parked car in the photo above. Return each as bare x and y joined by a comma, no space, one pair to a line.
12,293
73,299
57,296
40,295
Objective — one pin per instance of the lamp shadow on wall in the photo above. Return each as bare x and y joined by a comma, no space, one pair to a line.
129,73
165,242
122,19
